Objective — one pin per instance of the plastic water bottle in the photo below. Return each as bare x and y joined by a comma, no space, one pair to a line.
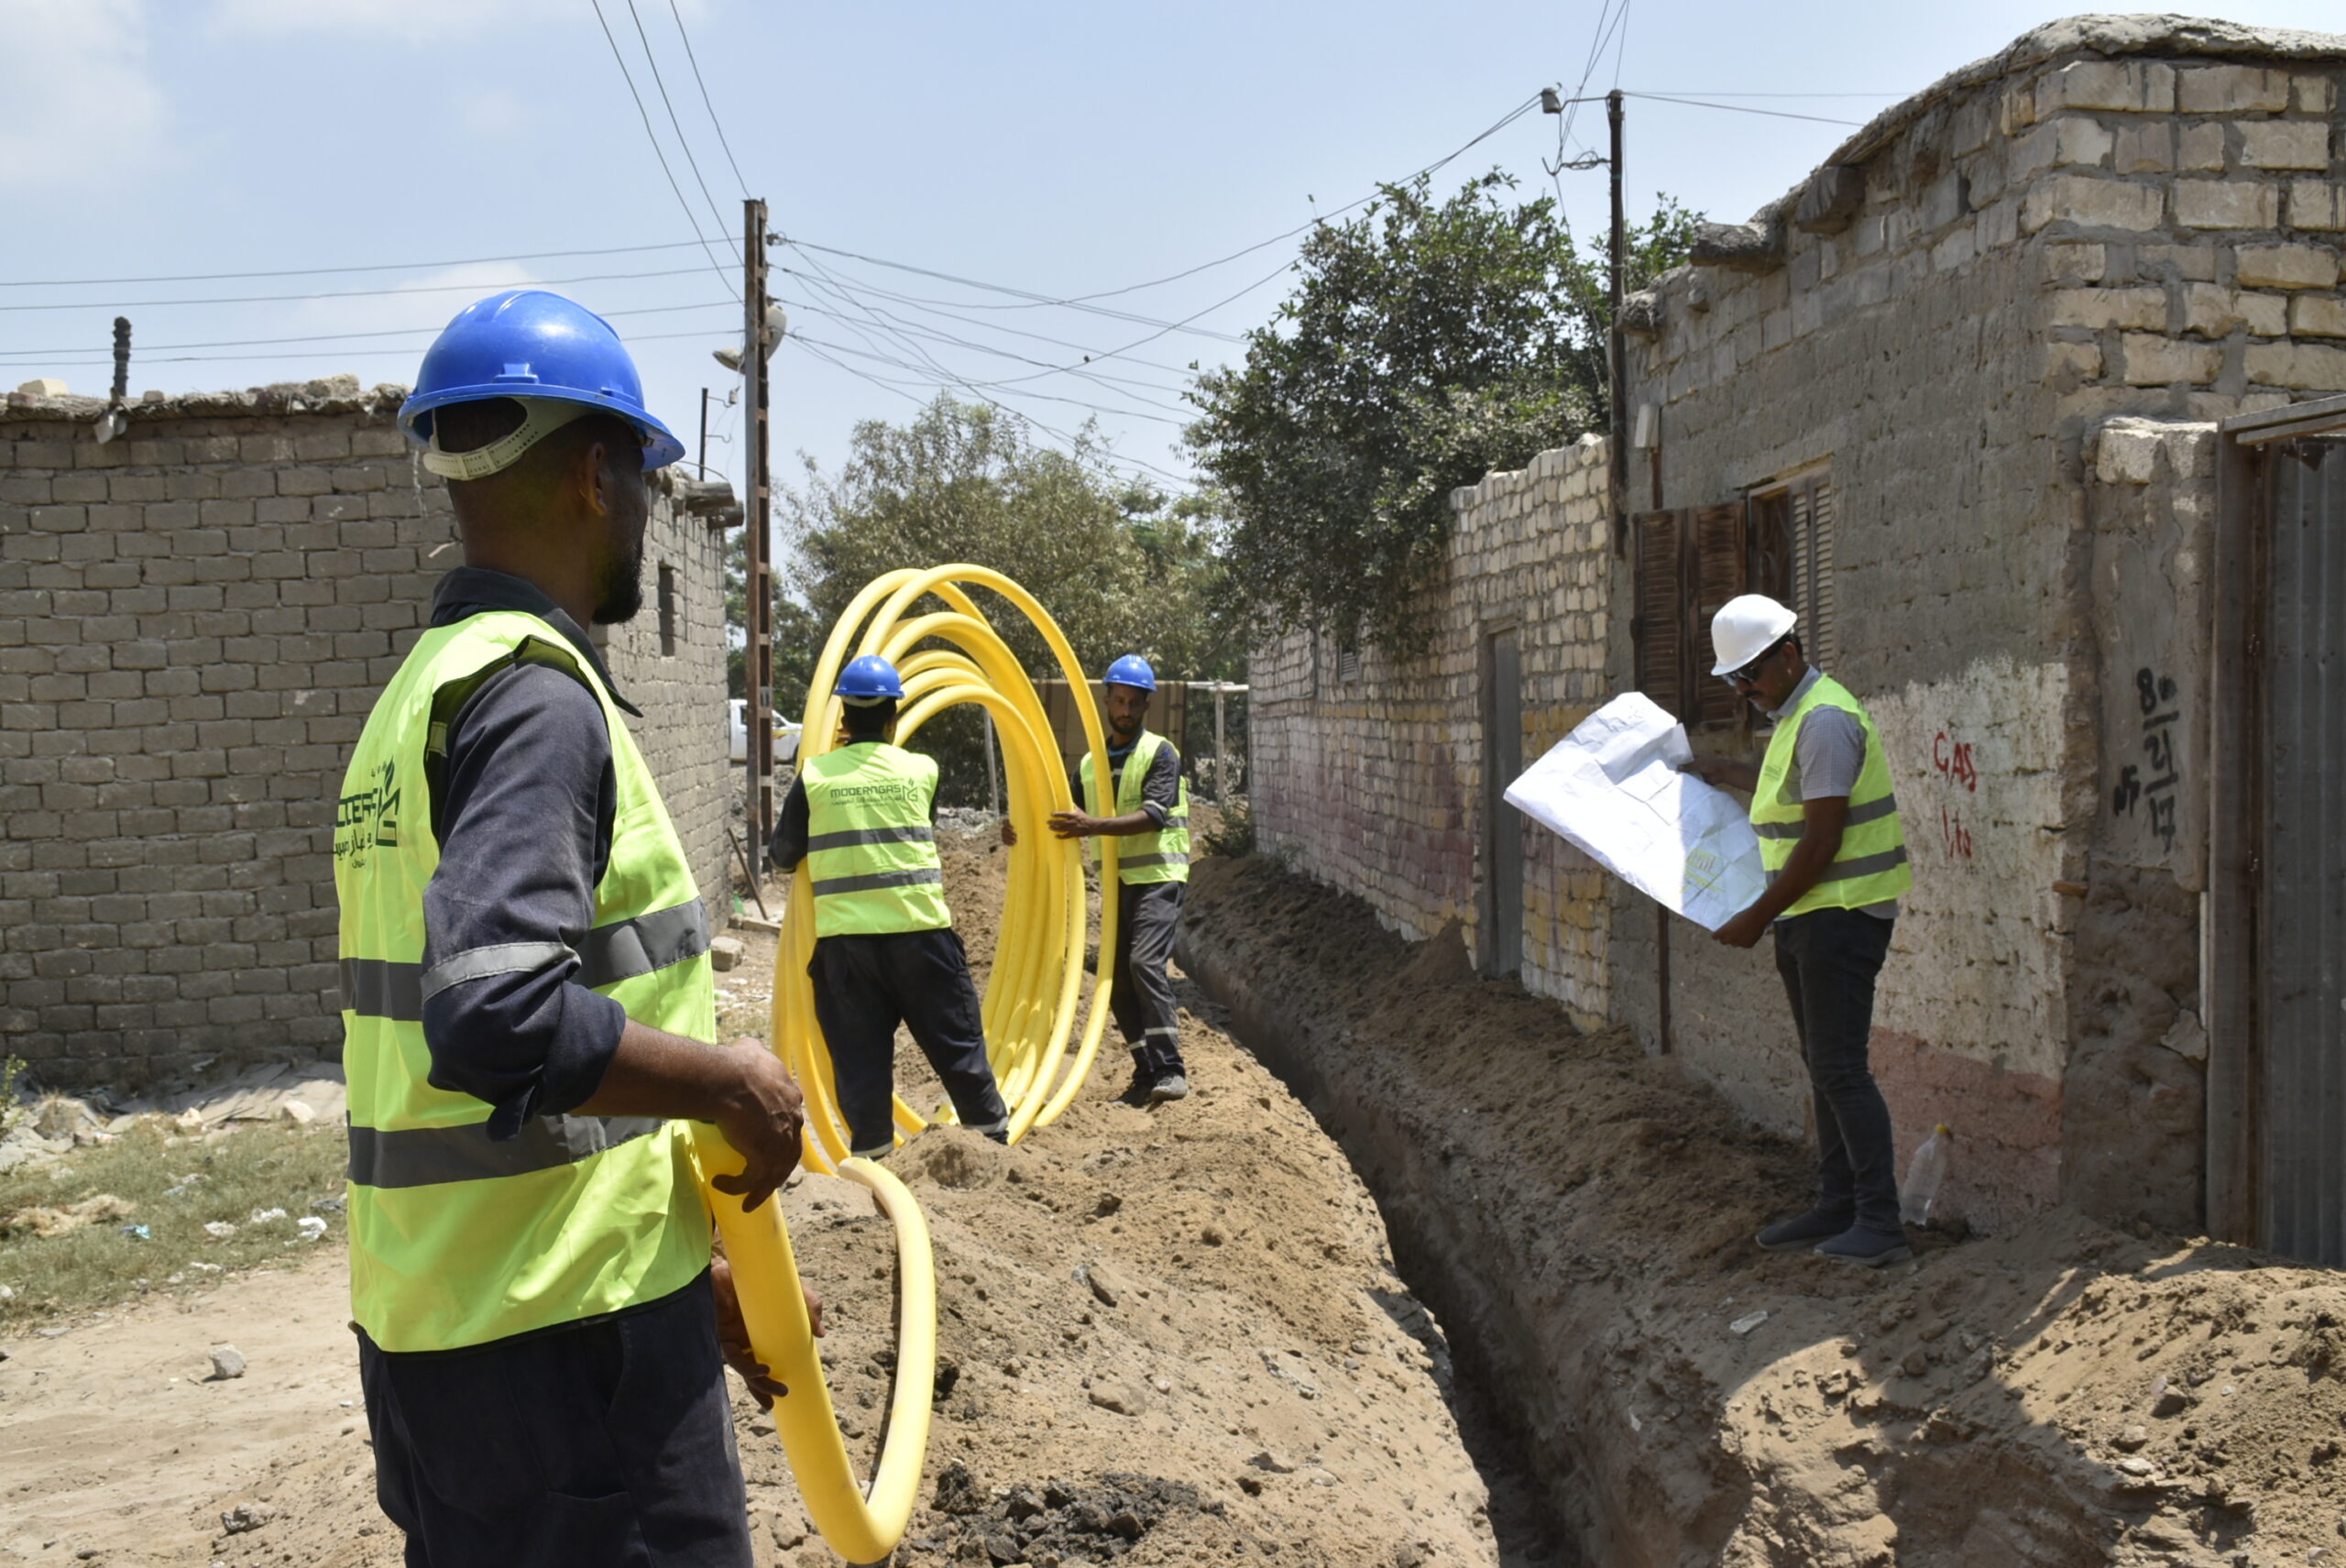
1925,1174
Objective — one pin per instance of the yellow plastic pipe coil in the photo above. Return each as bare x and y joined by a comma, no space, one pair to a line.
1029,1012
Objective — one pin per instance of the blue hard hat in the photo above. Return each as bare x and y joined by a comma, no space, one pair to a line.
527,343
1132,670
870,676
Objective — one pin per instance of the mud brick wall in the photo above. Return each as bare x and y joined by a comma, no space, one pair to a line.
194,620
1370,777
2116,219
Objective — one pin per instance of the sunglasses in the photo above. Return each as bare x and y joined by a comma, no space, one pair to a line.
1749,674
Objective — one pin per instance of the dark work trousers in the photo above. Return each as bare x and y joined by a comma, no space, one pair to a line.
865,986
1829,959
608,1444
1142,994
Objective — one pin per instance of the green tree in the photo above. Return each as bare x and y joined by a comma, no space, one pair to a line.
1425,345
1122,566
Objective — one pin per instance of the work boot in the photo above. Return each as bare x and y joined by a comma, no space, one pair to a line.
1867,1248
1136,1093
1174,1085
1803,1232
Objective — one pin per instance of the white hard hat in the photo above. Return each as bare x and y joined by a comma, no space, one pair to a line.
1746,627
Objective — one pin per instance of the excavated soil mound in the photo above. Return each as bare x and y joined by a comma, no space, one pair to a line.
1165,1337
1581,1215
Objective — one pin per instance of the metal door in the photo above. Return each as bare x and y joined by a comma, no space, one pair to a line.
2302,986
1502,944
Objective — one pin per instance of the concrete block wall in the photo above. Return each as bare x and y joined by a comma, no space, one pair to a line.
2067,260
1373,781
2116,219
194,620
685,728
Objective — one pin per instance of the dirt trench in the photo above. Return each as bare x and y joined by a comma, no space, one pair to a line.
1168,1337
1580,1216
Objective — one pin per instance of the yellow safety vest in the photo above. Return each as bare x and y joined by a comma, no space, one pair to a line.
1870,866
456,1240
870,852
1161,856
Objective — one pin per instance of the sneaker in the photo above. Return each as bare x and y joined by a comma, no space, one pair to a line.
1174,1085
1137,1092
1867,1249
1803,1232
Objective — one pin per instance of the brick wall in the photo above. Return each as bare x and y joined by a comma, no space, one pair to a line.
194,619
1374,780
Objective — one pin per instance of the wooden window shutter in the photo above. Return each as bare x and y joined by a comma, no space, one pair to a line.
1719,574
1659,629
1824,601
1814,595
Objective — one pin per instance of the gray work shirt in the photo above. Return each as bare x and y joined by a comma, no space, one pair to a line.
1828,754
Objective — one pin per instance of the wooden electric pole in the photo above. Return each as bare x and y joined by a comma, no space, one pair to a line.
1616,446
758,653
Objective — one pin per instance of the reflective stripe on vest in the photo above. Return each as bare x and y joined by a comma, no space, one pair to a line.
457,1239
1870,866
870,853
1161,856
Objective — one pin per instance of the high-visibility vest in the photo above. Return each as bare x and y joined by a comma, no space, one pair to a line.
870,852
1161,856
456,1240
1870,866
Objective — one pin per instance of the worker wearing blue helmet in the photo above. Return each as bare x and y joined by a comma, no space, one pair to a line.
529,1014
1146,804
861,817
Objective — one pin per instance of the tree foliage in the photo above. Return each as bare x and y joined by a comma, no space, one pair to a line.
1425,344
1121,566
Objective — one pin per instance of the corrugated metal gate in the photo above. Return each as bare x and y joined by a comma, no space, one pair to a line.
2302,1005
2272,931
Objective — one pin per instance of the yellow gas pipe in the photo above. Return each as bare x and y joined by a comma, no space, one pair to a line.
1028,1010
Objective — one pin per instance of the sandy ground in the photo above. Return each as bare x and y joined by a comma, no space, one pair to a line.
1166,1337
1582,1215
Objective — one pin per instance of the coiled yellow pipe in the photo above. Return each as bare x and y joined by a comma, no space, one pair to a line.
1031,997
1028,1012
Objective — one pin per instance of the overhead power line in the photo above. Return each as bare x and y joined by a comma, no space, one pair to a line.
705,102
1740,108
13,354
150,358
1104,465
360,293
325,272
674,123
645,116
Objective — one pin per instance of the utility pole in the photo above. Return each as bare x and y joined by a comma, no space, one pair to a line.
758,655
1617,464
703,433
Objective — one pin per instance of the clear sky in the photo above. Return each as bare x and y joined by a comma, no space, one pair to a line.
1055,150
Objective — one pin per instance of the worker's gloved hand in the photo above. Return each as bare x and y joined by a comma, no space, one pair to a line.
1009,834
763,1116
1073,824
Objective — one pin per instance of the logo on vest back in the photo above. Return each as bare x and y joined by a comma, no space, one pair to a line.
367,819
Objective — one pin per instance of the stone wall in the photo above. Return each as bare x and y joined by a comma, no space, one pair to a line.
1368,772
194,619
